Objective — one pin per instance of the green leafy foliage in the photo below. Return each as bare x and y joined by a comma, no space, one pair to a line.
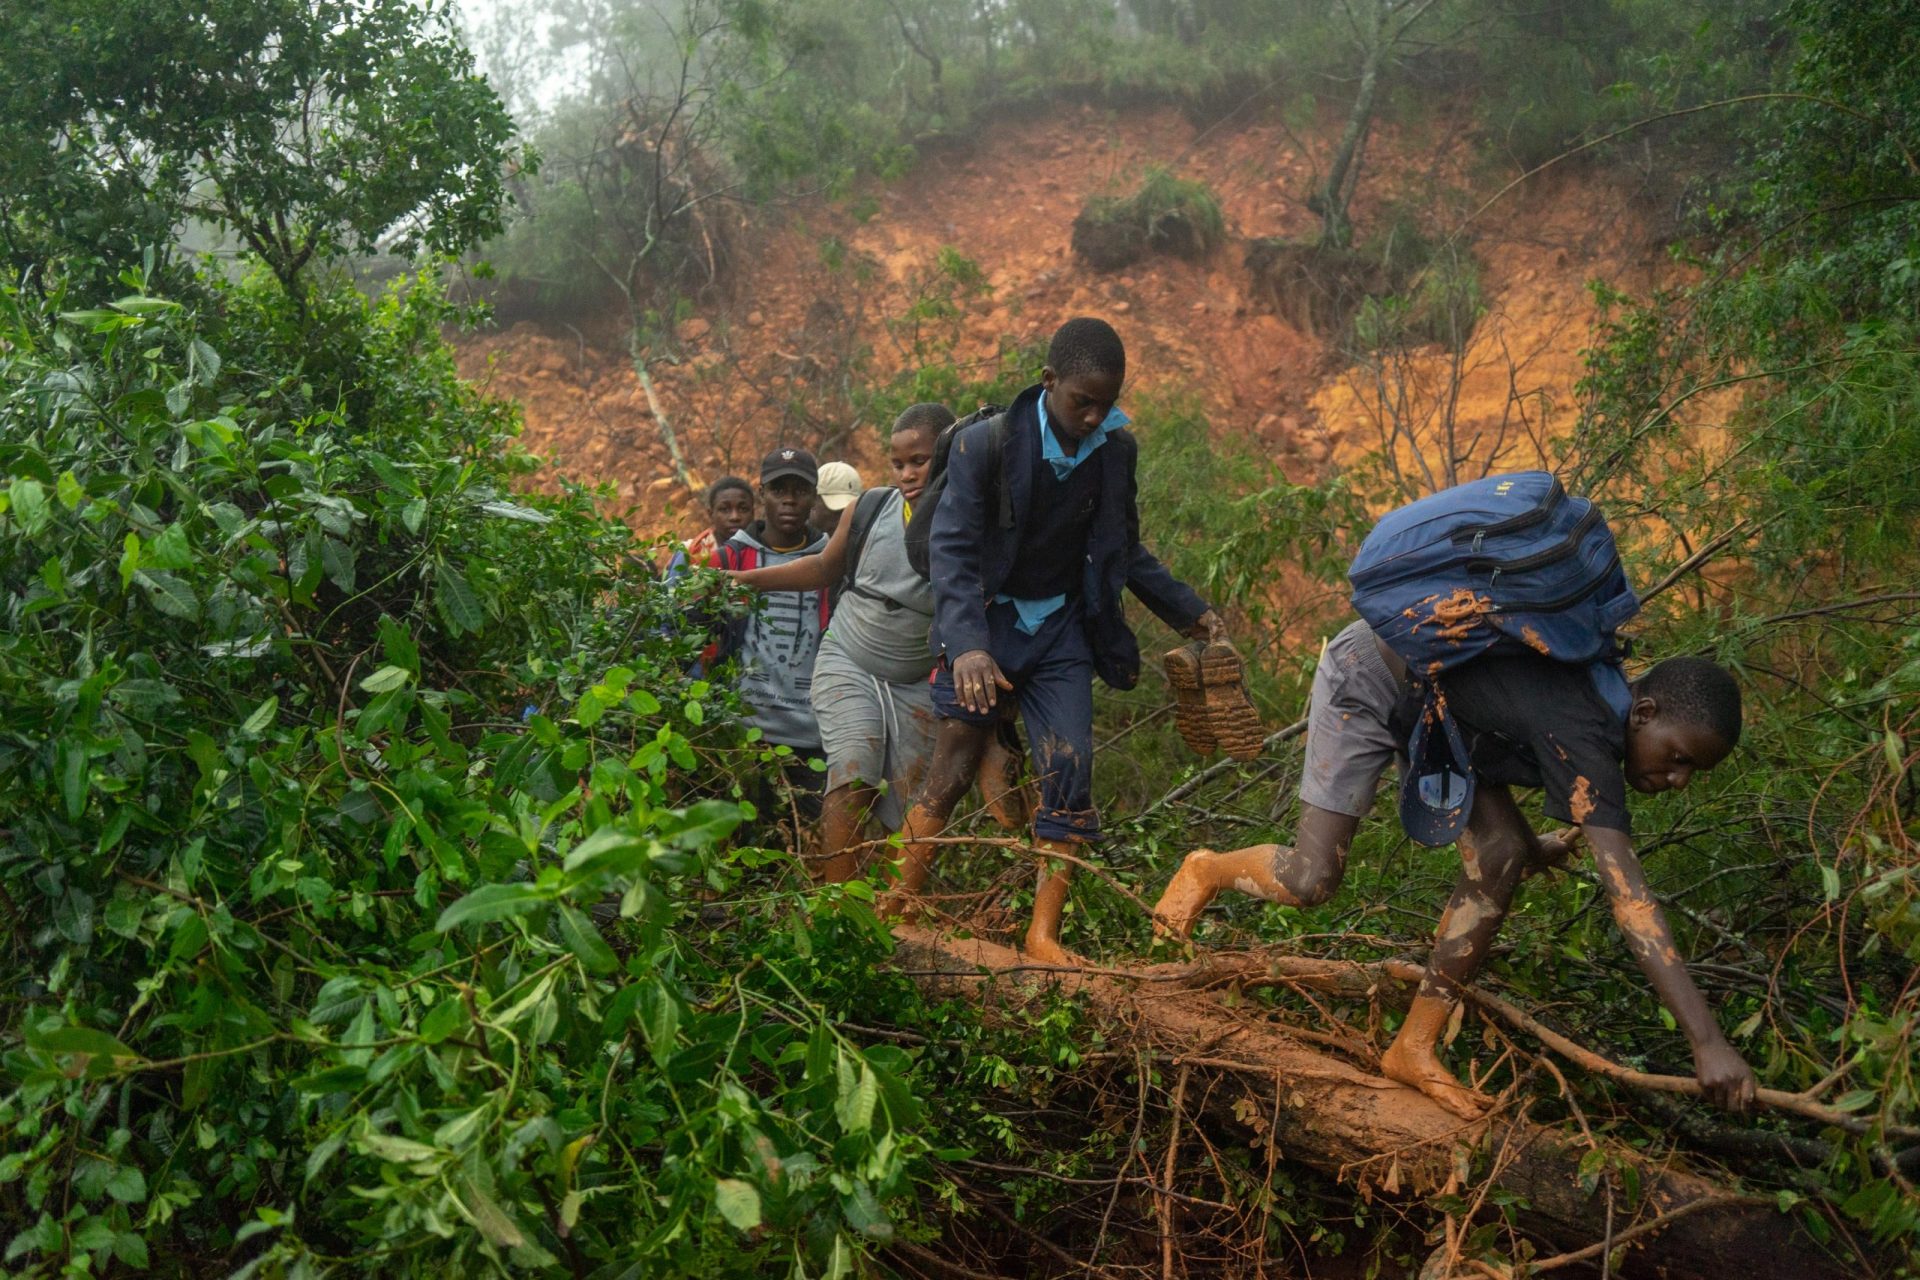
1441,304
381,892
298,127
342,917
1165,214
1801,333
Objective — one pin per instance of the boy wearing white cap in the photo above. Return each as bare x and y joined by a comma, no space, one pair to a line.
839,487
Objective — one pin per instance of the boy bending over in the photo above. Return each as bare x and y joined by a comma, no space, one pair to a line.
1028,603
1528,721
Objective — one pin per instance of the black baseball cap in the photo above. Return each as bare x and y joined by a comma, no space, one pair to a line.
789,461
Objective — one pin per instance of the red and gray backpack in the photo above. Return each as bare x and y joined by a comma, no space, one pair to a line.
733,632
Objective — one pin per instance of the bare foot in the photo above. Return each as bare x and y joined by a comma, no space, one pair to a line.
1049,951
1420,1069
1184,898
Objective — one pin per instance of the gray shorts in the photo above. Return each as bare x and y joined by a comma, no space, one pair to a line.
876,732
1348,742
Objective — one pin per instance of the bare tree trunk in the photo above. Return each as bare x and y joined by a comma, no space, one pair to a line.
637,351
1331,201
928,54
1331,1115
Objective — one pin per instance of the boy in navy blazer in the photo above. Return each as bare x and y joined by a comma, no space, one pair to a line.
1031,607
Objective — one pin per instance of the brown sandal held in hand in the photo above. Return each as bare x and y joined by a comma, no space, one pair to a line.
1236,724
1211,706
1183,670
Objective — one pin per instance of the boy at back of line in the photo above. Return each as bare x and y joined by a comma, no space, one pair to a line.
729,510
776,644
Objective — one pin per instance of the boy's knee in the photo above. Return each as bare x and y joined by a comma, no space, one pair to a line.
1496,854
1311,876
943,791
1060,755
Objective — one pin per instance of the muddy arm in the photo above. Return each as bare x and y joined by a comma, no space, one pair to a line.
1724,1076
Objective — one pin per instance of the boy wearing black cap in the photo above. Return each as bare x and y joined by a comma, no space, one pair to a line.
777,643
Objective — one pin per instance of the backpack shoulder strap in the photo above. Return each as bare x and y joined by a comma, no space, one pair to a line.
997,465
865,513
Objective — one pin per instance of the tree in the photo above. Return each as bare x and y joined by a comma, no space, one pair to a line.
302,128
640,161
1386,24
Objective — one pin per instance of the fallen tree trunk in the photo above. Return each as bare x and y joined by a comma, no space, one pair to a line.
1330,1115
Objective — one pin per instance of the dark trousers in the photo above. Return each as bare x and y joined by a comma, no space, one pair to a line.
1052,675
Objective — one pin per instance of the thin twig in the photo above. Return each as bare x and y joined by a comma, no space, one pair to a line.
1173,1155
1133,1148
1219,767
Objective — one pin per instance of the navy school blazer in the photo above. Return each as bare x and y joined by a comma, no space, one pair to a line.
971,555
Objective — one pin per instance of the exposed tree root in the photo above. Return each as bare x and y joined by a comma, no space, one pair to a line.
1253,1075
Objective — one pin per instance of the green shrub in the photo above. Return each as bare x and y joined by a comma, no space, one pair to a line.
358,812
1166,214
1400,246
1442,305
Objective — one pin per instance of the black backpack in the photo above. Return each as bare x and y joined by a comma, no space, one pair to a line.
865,512
920,527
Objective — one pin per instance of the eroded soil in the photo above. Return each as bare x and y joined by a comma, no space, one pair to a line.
767,360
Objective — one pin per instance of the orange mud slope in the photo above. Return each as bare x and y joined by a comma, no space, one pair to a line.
770,364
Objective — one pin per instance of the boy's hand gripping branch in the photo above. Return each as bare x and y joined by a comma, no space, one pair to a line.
1209,626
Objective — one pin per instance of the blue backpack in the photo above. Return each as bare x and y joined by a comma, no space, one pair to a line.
1508,564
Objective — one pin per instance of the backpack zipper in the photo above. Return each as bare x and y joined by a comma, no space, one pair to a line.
1564,549
1547,506
1564,602
1380,577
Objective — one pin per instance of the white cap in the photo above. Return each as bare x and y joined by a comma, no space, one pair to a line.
839,485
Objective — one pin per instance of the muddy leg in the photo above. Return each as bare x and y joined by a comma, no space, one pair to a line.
1302,876
956,758
1056,702
1005,796
1049,900
843,820
1494,853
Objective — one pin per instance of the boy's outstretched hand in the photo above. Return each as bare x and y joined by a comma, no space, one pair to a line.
978,681
1725,1078
1210,626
